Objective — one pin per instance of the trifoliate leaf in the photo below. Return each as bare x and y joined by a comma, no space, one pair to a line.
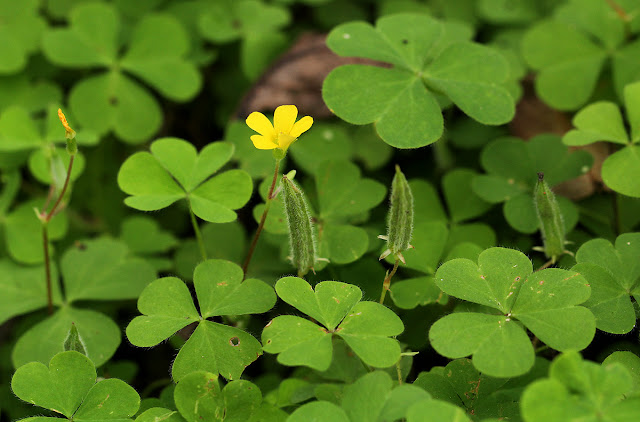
544,302
426,56
173,170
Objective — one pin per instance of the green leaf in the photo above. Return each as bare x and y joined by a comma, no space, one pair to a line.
227,351
629,361
364,326
90,40
317,411
613,274
198,397
103,270
324,142
429,240
406,113
298,342
485,336
23,232
406,116
109,399
429,410
167,307
23,289
621,169
546,306
328,304
568,62
69,372
367,329
601,121
74,341
544,301
342,192
173,171
344,243
413,292
143,235
479,94
107,101
156,55
20,34
159,414
42,341
462,202
221,290
578,389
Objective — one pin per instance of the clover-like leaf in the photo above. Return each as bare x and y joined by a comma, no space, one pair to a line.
23,289
544,302
570,50
614,275
199,397
602,121
101,337
156,54
68,386
167,307
20,32
364,326
103,269
426,58
513,184
174,170
578,389
461,384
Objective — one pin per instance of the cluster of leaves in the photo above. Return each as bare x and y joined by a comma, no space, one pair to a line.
238,339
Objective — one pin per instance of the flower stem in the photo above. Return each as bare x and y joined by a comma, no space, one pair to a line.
51,213
196,229
387,280
267,205
47,266
45,218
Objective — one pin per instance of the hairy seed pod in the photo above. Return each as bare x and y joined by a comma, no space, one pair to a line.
400,218
74,341
550,219
301,237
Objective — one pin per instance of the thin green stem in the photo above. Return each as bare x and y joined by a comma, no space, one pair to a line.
196,230
617,226
52,212
399,371
45,218
267,205
387,280
47,266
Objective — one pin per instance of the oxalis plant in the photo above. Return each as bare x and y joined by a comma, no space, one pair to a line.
429,215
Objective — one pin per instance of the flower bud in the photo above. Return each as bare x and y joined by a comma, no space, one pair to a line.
400,218
301,236
550,219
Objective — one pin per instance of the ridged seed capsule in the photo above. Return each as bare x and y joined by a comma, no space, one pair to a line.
301,235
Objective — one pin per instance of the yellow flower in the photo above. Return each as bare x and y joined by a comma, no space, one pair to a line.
283,132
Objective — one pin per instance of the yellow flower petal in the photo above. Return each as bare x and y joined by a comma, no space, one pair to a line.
301,126
259,122
284,118
263,142
285,140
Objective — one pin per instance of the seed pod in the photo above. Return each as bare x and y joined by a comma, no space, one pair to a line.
301,237
400,218
550,219
74,341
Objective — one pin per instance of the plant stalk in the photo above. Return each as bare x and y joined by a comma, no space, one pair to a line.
50,214
267,205
387,280
196,229
47,266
